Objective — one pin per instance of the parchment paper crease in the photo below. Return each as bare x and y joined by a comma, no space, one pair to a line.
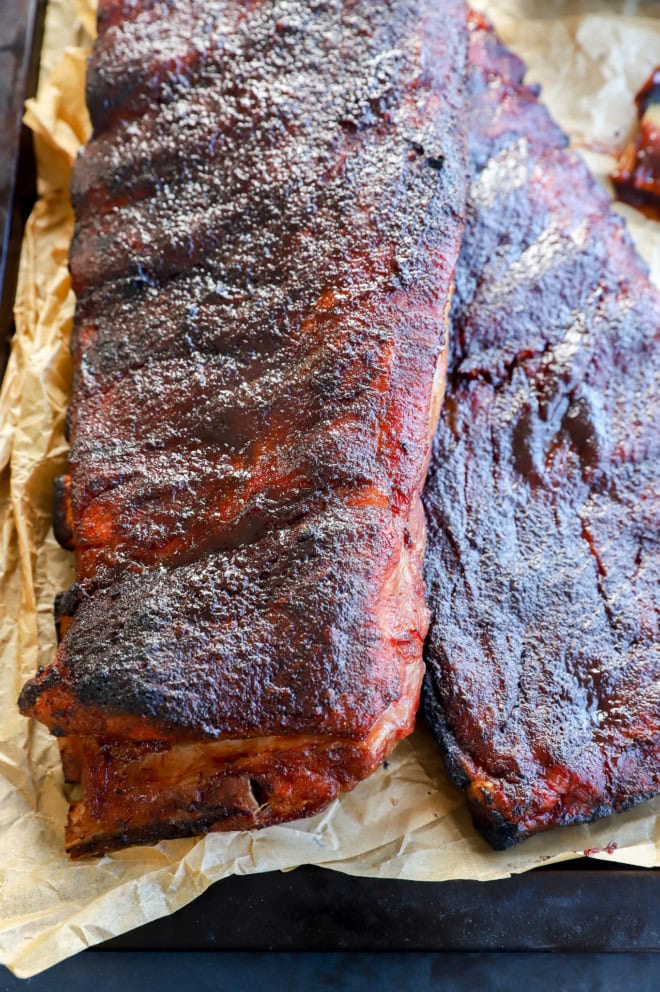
404,822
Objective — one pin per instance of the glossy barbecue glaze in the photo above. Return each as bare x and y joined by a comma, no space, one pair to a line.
268,220
542,497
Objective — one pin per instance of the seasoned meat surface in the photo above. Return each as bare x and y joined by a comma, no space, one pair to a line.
268,218
542,500
260,218
304,631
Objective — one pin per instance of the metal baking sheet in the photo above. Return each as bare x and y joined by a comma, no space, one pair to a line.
583,906
21,29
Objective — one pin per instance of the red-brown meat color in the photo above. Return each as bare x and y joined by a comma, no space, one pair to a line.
268,220
636,177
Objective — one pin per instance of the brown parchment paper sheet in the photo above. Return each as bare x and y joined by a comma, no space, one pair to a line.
405,821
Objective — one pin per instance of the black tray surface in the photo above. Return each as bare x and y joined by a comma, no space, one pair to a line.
21,30
130,971
582,908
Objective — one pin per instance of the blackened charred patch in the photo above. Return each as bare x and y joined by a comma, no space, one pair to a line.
45,680
66,604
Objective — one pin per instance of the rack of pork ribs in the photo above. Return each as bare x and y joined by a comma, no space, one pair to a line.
268,218
268,223
542,500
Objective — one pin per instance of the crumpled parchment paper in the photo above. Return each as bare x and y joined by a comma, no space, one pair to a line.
406,821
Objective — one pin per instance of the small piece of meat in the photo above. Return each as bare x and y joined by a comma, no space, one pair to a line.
268,219
636,177
542,500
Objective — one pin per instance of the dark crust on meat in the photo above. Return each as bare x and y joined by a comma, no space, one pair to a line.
287,257
279,635
268,217
499,829
542,559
